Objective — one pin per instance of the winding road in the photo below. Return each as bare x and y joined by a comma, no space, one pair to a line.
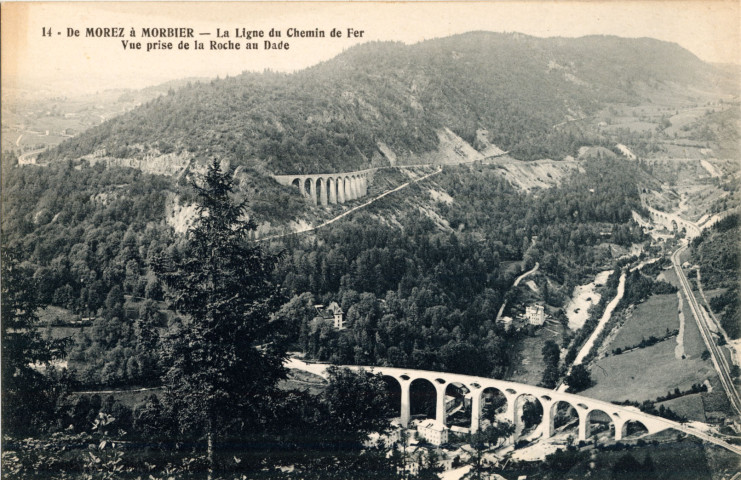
561,387
526,274
517,282
603,321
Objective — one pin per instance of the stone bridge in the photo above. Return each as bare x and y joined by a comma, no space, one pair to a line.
330,188
587,409
516,394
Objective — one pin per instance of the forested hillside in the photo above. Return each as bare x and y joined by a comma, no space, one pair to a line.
332,117
420,295
420,280
717,253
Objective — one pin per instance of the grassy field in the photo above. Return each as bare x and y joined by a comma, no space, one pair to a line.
634,125
652,317
715,402
646,373
528,363
693,343
668,275
686,117
699,199
711,294
52,314
690,406
60,332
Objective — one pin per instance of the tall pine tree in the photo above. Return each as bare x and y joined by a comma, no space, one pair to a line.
225,360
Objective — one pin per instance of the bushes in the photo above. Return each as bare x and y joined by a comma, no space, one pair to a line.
628,468
660,287
716,252
551,355
727,306
696,388
649,407
638,287
579,379
563,460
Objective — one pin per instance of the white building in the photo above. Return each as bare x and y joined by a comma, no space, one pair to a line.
535,315
433,432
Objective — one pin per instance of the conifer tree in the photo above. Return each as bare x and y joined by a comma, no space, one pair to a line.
224,361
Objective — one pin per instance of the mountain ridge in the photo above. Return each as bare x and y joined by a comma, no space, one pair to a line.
349,112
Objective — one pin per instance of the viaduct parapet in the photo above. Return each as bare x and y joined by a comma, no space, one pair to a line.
330,188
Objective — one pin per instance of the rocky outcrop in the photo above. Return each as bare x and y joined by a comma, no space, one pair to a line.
171,164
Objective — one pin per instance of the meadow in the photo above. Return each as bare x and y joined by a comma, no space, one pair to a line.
651,318
646,373
528,366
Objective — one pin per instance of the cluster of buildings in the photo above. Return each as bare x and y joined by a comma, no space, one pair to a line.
428,431
534,315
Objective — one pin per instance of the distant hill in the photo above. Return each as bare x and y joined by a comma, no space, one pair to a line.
36,116
385,101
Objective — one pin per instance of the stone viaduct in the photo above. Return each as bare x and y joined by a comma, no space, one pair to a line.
515,394
330,188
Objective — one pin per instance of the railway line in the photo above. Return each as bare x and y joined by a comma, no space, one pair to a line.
719,360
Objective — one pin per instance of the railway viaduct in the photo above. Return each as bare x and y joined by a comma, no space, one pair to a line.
587,409
330,188
516,394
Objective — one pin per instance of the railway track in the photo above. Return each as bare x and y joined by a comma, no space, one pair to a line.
719,360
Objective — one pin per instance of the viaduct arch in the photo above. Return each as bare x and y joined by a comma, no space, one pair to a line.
330,188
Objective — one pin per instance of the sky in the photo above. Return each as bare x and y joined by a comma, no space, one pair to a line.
64,64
